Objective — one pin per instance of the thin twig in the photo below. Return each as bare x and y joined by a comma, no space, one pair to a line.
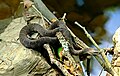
88,35
107,65
65,45
66,52
63,18
54,61
101,71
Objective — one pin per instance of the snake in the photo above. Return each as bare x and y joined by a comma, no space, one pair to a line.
46,35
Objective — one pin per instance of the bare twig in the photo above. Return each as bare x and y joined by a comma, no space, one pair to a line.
66,52
63,18
54,61
101,71
107,65
65,45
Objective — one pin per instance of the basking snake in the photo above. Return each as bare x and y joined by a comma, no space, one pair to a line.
46,35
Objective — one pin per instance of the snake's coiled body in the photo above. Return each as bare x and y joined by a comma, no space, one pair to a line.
46,35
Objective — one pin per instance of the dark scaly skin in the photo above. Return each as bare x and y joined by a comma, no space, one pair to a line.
47,36
72,46
62,28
